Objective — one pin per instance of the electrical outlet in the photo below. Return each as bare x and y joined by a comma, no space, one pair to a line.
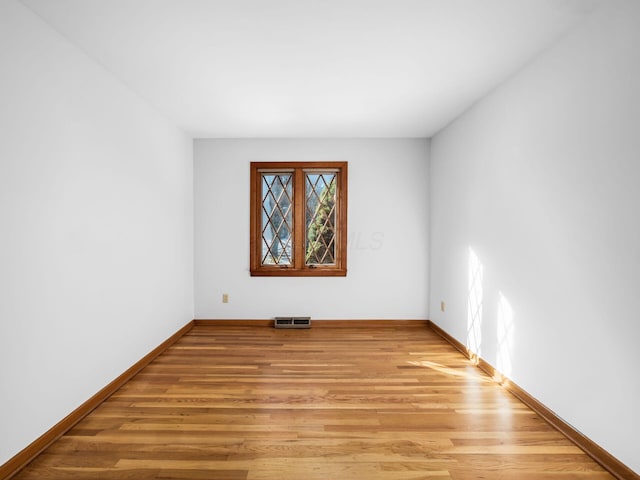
443,306
225,298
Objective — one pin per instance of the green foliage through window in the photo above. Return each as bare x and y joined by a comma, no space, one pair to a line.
321,218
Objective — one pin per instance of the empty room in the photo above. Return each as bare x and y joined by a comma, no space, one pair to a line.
347,239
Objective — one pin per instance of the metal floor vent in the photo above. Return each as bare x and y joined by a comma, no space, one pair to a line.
292,322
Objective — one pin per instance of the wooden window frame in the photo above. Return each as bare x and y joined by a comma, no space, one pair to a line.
298,268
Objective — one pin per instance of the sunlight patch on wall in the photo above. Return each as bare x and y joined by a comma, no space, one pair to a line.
474,314
505,336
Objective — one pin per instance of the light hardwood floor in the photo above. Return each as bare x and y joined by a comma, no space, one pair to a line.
235,403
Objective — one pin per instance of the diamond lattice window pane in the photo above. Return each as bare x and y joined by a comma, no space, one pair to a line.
277,225
320,195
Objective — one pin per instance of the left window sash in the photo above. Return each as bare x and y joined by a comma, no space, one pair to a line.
276,218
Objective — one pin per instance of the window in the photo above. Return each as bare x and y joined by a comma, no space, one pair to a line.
299,219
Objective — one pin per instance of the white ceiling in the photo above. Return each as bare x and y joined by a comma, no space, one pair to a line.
312,68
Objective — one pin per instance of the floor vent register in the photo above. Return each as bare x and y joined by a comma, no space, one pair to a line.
292,322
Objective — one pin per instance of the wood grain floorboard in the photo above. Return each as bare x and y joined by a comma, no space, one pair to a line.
254,403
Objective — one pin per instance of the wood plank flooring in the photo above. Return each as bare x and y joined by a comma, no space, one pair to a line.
256,403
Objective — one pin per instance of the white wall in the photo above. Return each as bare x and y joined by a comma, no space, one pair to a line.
541,181
387,222
96,229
